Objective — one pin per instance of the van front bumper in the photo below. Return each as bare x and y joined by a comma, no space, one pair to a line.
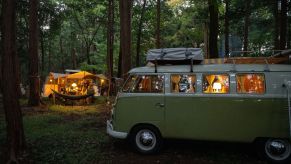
115,134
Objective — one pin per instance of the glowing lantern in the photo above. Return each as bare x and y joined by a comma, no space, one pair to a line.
217,87
74,85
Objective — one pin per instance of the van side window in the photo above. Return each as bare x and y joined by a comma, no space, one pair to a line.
129,83
183,83
253,83
216,83
149,84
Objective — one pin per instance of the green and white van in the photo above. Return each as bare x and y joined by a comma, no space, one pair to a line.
219,102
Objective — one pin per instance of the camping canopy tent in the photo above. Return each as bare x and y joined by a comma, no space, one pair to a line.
80,75
101,76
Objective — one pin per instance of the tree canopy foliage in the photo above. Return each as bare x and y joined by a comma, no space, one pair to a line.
73,33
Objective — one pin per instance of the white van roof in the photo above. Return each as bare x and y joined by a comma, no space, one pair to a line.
215,68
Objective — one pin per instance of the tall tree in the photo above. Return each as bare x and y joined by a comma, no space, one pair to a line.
0,44
62,54
110,40
49,56
213,28
88,39
158,30
34,80
42,51
13,115
125,35
74,61
139,33
283,24
226,27
246,25
276,25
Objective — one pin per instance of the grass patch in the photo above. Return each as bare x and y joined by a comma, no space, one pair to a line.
64,134
23,101
77,134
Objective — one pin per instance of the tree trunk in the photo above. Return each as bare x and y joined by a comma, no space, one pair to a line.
34,87
206,39
158,31
139,33
42,51
1,48
289,31
283,24
74,62
125,36
49,57
246,25
13,115
110,42
88,53
277,26
213,28
226,28
62,54
119,73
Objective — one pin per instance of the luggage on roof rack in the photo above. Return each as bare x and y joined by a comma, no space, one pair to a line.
175,55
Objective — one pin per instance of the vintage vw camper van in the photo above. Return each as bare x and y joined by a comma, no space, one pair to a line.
216,102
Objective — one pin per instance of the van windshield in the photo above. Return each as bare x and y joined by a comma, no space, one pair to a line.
129,83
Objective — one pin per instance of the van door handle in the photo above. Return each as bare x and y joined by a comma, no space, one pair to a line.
160,105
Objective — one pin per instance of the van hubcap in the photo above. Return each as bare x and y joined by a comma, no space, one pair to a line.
145,140
278,149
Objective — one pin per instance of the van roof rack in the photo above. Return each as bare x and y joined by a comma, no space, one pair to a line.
175,56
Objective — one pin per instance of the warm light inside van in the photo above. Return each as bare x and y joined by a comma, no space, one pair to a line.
250,83
218,83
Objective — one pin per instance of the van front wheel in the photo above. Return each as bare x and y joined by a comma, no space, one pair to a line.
146,139
276,150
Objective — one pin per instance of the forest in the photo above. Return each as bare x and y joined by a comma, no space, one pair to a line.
111,37
80,34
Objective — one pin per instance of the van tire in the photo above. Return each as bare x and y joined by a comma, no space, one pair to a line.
266,148
146,139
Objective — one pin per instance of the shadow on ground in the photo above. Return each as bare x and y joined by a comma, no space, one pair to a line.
186,151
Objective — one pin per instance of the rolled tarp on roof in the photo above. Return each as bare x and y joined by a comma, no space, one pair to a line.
81,75
175,54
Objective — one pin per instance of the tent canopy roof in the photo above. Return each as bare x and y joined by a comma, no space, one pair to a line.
101,76
57,75
80,75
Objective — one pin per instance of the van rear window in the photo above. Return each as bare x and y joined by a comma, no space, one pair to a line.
183,83
216,83
250,83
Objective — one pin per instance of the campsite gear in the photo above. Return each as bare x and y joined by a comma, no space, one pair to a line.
72,97
72,84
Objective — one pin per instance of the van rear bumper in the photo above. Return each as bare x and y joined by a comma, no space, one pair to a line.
115,134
